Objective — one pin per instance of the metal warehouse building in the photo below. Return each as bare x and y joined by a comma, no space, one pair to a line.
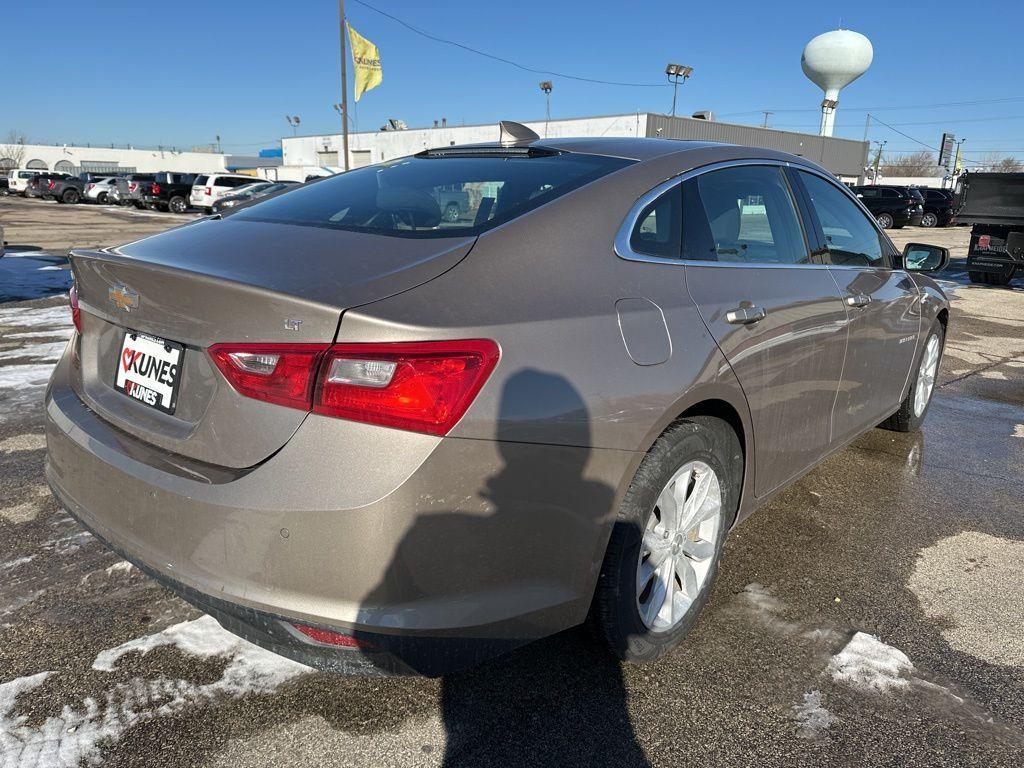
844,157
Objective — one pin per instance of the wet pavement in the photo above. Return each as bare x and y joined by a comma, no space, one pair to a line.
870,615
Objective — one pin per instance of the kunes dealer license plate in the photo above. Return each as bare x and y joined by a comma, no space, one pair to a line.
149,370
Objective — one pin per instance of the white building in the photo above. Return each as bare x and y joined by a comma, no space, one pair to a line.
306,154
71,159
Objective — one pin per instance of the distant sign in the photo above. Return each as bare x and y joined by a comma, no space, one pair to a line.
946,153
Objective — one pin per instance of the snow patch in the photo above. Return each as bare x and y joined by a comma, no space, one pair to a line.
121,567
29,317
64,333
30,441
811,716
10,565
74,736
868,664
25,376
1018,430
49,351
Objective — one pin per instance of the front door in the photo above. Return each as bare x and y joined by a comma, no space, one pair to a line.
776,314
882,302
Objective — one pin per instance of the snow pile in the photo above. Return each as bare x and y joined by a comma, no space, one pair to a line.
33,318
51,350
868,664
74,735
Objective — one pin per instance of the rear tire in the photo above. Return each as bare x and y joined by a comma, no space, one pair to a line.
885,220
1001,279
929,220
451,212
914,407
643,607
177,204
101,198
71,197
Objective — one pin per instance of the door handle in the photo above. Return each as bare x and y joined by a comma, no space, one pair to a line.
745,315
858,300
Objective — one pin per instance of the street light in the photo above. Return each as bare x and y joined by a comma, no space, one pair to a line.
676,72
546,87
293,122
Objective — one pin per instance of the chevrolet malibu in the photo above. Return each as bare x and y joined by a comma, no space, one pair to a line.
370,436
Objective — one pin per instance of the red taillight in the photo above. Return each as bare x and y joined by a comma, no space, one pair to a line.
209,191
76,313
131,186
90,186
328,637
419,386
156,188
283,374
51,184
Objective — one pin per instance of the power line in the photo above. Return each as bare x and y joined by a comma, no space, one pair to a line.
503,60
880,109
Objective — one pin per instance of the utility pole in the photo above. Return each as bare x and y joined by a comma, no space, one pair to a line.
344,82
867,126
878,159
767,114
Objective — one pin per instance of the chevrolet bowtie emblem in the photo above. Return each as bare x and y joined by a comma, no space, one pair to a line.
123,297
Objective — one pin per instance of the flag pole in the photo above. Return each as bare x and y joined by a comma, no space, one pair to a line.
344,84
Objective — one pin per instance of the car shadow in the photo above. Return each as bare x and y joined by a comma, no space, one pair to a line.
523,707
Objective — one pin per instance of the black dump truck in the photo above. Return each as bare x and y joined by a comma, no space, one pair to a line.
993,203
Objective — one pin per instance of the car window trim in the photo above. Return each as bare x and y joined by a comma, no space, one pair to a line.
889,252
624,251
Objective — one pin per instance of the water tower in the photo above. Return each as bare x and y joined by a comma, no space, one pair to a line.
832,61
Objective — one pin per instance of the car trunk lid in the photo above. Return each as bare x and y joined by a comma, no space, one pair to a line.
220,281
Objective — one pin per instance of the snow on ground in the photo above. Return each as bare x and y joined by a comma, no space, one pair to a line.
811,716
868,664
64,333
49,351
1018,430
30,317
74,735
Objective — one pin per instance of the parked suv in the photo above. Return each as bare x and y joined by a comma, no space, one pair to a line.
210,187
938,207
169,191
131,188
894,207
19,178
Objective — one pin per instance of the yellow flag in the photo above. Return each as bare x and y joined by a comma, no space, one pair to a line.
366,59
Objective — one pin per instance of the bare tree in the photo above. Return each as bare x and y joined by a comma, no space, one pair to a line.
12,150
916,164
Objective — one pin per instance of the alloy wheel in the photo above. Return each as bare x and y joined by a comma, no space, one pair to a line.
929,220
679,546
885,220
926,376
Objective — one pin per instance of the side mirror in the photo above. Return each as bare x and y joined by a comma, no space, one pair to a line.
920,257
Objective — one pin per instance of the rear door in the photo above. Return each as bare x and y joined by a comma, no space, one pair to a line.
882,300
775,313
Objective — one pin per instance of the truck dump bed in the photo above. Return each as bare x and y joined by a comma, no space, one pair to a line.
990,198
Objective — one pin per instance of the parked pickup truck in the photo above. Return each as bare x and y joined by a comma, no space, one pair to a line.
69,189
169,191
993,203
453,201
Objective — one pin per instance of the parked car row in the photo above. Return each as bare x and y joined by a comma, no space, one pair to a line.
895,207
163,191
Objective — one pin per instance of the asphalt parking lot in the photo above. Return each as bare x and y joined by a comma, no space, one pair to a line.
871,615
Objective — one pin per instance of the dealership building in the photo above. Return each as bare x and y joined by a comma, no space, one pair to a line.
845,158
67,158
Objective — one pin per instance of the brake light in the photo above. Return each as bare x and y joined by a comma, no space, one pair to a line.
131,186
156,188
90,186
209,191
51,184
283,374
418,386
76,313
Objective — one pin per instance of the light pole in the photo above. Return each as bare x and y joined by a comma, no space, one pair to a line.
293,122
767,114
677,72
546,87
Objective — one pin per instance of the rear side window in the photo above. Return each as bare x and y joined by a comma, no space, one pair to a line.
435,196
658,230
850,238
750,217
200,180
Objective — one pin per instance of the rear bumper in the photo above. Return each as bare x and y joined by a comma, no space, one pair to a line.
914,219
437,552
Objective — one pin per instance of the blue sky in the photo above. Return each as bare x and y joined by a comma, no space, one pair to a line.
179,74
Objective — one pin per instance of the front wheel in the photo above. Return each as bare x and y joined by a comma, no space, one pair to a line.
929,220
664,550
914,407
885,220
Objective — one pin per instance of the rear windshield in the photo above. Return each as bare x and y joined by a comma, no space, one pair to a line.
200,181
434,196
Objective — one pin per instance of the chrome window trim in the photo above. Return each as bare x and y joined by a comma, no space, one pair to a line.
624,250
